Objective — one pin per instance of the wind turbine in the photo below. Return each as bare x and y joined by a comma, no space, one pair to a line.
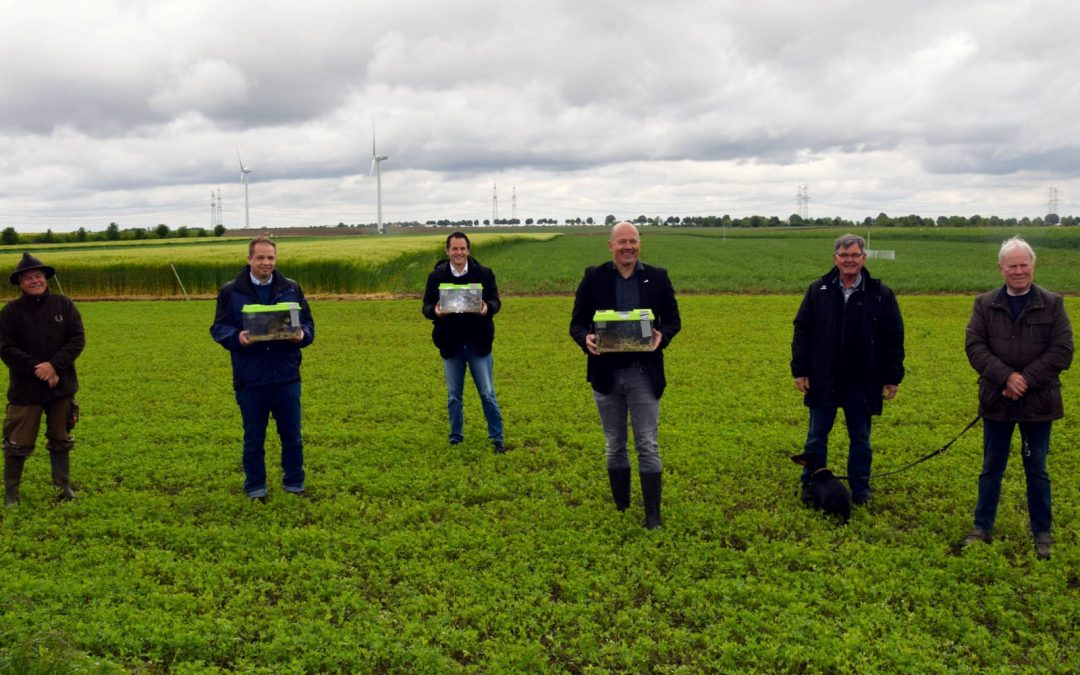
244,171
376,168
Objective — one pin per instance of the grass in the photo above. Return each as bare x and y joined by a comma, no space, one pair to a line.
412,556
757,261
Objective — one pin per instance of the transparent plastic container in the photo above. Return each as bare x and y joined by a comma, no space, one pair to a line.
271,322
461,298
629,331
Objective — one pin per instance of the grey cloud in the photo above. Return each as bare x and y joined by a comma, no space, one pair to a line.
118,97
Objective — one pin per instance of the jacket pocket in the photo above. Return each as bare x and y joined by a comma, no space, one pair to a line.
990,397
1037,329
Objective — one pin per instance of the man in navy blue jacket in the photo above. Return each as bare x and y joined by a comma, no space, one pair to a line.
628,382
266,374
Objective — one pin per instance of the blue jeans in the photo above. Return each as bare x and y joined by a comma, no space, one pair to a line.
256,406
857,419
631,392
997,437
482,370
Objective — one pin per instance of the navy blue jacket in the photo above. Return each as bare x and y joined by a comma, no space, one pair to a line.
597,292
818,325
260,363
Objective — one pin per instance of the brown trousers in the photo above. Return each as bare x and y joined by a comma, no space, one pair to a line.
22,423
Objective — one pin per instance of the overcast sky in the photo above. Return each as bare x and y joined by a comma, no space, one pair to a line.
133,111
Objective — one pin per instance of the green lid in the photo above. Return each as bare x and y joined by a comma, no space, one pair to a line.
615,315
280,307
461,287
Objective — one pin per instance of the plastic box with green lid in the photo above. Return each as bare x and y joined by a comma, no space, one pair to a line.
461,298
629,331
271,322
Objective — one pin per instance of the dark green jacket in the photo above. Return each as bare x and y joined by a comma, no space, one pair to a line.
1038,344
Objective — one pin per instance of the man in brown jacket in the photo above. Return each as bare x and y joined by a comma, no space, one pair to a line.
1019,340
41,335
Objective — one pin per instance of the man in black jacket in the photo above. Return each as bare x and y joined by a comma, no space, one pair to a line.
464,339
847,352
41,335
628,382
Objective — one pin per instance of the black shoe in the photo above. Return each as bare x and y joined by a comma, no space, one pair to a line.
261,500
498,447
66,494
455,441
861,499
302,494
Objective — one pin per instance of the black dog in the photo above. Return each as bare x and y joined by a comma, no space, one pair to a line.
826,492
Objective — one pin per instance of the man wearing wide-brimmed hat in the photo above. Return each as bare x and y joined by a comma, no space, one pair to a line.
41,335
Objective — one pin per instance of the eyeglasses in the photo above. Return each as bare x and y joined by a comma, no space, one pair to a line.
850,256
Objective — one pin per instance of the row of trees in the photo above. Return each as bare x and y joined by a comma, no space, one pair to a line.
498,222
9,237
882,220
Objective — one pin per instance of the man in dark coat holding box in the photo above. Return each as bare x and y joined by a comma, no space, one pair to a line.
41,335
464,339
628,382
847,352
266,374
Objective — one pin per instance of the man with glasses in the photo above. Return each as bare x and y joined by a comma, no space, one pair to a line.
847,352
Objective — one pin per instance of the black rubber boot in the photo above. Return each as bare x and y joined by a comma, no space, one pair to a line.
13,468
650,492
61,474
620,487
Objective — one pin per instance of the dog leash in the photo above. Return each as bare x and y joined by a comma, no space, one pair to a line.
935,453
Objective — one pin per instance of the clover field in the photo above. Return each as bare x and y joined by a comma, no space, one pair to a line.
412,556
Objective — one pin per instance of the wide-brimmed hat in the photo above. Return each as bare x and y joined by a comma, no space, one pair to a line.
28,263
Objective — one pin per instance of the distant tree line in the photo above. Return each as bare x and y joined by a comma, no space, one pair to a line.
794,220
881,220
9,237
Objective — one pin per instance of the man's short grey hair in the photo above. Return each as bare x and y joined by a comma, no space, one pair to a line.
846,240
1015,244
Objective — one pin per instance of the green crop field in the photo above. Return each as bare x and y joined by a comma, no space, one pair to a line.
412,556
327,265
541,261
